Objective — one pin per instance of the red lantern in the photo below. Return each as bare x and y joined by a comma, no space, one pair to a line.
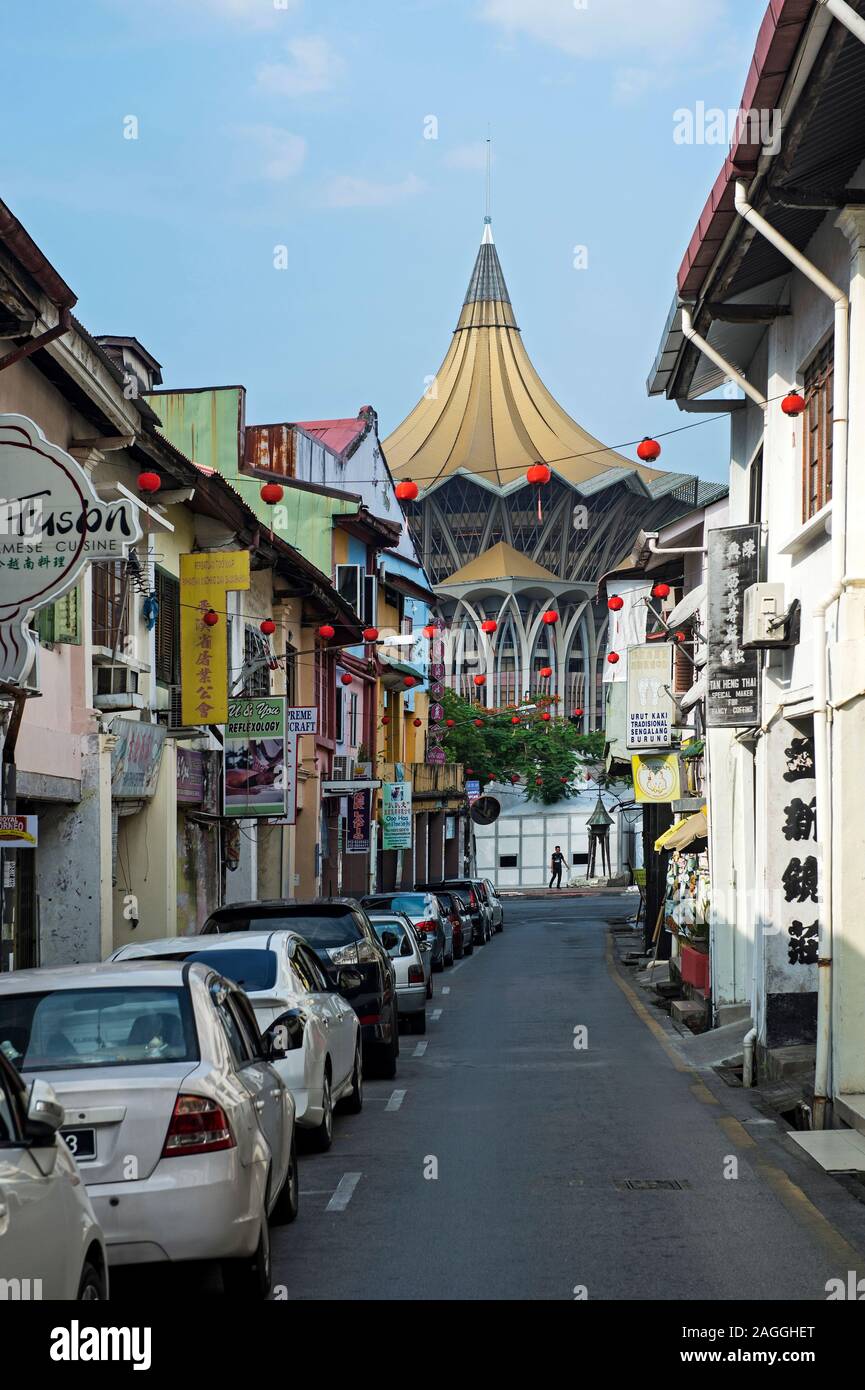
211,618
680,636
613,658
660,590
326,632
478,723
385,719
271,493
489,625
370,634
648,450
615,603
546,717
407,491
450,723
578,713
515,779
563,779
794,404
149,482
429,631
480,680
515,719
409,682
417,723
539,473
268,627
546,672
345,678
469,771
539,781
550,617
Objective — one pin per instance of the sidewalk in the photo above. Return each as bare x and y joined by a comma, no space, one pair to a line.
591,891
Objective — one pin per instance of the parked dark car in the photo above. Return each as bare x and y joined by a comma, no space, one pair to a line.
451,903
355,962
469,889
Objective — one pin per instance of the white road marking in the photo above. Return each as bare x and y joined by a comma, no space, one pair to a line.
344,1192
436,1014
395,1101
420,1049
446,989
459,965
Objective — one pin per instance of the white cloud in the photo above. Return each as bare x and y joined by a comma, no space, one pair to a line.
280,153
346,191
608,28
312,66
468,156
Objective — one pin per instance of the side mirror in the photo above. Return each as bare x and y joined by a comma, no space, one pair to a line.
284,1035
347,980
424,944
45,1115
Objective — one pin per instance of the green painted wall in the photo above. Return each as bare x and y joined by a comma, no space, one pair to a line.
206,426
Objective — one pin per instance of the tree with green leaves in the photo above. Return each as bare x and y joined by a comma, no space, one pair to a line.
540,748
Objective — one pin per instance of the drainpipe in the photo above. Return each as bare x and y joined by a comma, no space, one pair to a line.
846,15
822,710
714,356
748,1057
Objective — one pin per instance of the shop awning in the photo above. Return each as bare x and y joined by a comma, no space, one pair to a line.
684,832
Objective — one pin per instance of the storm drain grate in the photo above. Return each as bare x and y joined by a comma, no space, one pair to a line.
651,1185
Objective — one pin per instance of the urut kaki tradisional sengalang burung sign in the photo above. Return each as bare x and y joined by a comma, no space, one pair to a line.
51,523
733,674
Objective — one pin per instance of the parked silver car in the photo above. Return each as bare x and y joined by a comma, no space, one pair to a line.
51,1245
181,1128
494,903
423,911
411,959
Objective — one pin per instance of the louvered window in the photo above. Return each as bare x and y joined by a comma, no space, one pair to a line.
61,621
110,604
168,628
817,433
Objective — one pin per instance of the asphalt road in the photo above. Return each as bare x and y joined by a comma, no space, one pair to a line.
530,1138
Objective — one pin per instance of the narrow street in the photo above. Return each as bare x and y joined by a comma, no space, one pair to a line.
531,1138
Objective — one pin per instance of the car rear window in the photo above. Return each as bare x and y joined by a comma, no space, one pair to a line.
412,903
392,925
326,931
252,970
72,1028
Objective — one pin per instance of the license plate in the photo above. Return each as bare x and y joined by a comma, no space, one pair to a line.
80,1142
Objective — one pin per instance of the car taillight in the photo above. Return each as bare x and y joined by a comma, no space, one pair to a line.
415,975
473,902
427,927
197,1126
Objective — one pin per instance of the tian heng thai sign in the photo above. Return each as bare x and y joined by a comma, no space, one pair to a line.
733,678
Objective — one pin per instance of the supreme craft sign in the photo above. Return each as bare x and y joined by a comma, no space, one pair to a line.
51,524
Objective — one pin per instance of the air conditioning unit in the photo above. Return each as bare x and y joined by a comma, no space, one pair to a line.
116,687
764,617
174,722
343,768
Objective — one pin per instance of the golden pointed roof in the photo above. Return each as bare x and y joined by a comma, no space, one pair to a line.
500,562
487,411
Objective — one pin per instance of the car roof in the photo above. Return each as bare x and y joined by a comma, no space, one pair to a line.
105,975
265,905
257,939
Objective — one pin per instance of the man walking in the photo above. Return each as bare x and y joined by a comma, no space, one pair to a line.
558,864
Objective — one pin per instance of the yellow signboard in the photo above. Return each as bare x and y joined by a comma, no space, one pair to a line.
657,779
205,579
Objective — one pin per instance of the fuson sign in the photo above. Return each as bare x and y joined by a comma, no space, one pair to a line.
51,524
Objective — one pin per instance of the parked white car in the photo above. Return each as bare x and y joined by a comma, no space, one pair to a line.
287,988
411,960
181,1127
51,1245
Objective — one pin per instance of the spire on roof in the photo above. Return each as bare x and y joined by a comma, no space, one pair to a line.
487,284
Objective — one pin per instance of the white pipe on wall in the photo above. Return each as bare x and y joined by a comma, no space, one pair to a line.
846,15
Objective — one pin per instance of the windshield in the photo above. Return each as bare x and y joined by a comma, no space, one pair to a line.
252,970
97,1028
413,904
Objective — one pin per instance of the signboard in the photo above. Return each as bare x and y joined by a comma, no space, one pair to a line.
358,829
51,523
650,703
255,757
136,758
658,779
396,815
205,579
627,628
435,753
19,832
302,719
733,674
473,791
190,776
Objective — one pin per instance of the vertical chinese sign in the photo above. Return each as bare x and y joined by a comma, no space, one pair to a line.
435,753
733,690
205,579
357,836
791,931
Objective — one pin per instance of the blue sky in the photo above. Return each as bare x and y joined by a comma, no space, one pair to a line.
300,123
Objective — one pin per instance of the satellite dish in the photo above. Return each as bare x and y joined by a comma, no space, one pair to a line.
486,810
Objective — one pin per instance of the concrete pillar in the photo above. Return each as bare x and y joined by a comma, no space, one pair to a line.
73,866
147,861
